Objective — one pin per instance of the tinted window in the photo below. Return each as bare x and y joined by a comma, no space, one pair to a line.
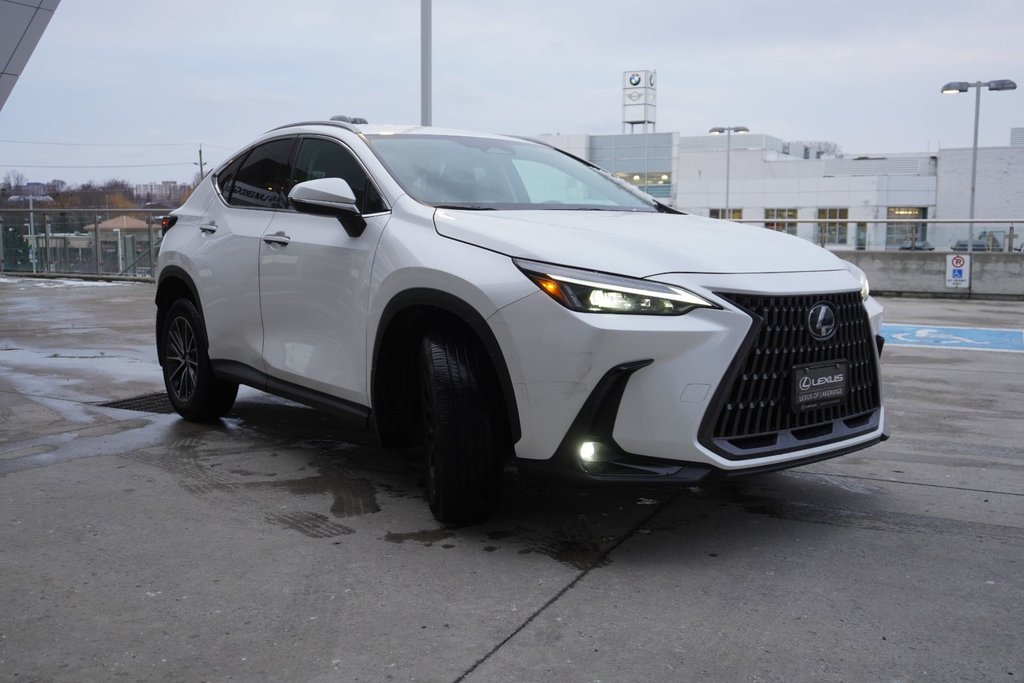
262,180
325,159
226,177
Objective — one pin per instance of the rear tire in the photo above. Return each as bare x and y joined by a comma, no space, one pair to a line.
194,392
464,438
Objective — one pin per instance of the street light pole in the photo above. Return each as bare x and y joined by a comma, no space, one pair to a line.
426,116
963,86
728,130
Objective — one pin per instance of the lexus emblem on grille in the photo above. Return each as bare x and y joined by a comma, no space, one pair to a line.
821,321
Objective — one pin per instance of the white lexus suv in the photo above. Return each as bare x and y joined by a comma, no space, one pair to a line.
491,297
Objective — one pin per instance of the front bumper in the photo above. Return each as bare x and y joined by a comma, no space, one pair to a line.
667,380
606,462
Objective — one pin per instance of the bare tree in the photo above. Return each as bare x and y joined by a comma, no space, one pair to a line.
14,181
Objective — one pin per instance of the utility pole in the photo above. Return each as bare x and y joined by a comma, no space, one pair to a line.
202,169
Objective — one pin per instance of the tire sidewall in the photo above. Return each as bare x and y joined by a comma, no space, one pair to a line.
194,408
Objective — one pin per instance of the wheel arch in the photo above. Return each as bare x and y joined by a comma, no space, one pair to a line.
395,352
173,284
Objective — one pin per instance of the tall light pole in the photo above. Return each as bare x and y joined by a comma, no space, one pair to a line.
728,130
963,86
426,115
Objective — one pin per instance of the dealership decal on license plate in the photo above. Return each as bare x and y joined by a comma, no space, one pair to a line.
819,385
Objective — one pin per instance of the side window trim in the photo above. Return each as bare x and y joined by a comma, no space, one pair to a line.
232,166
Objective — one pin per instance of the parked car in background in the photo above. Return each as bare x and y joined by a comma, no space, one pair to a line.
490,298
919,245
980,244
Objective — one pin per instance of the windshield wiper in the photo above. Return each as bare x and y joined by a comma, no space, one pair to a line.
626,209
465,207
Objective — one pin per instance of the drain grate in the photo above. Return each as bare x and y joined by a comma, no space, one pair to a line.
147,403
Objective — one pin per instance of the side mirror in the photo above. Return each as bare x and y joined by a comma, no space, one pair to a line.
329,197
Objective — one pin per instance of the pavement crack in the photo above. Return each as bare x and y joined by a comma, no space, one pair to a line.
917,483
599,562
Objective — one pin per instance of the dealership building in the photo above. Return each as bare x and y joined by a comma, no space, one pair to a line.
846,201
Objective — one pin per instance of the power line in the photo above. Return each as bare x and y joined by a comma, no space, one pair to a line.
113,144
179,163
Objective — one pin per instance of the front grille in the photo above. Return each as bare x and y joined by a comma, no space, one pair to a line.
753,415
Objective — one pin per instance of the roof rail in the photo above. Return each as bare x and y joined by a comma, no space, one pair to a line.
350,126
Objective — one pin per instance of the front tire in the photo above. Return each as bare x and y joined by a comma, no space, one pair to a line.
194,392
464,438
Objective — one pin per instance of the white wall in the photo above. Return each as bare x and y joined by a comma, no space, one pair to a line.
999,193
760,179
867,186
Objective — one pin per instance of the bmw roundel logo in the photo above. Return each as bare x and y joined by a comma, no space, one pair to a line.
821,321
634,79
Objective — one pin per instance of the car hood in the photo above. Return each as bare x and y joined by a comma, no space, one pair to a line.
635,244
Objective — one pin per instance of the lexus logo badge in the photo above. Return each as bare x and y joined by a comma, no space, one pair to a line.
821,321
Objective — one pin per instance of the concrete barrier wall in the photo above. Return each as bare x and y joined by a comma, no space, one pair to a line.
924,273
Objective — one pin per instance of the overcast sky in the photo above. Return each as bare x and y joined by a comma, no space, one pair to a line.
863,74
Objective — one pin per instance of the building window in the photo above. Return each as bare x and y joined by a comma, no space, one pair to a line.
655,183
734,214
900,234
830,232
781,220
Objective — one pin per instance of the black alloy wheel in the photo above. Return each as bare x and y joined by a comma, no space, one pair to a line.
191,386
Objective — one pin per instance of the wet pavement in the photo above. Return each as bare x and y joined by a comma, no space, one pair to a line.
280,545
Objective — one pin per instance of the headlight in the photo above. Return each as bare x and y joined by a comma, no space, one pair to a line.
865,289
589,291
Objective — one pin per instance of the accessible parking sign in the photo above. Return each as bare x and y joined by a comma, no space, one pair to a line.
958,271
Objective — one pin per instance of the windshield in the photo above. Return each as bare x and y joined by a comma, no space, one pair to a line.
484,173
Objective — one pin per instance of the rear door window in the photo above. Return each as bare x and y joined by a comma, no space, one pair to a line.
261,182
226,178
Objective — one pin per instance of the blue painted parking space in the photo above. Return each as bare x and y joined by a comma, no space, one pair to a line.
976,338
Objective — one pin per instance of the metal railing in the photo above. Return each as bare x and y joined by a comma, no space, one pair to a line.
876,234
99,242
60,241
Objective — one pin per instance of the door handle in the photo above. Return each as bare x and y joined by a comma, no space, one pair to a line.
208,228
277,238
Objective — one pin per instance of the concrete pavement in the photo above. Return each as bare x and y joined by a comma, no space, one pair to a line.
279,545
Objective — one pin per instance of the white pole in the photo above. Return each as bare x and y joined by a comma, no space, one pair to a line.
425,65
974,165
728,153
32,233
